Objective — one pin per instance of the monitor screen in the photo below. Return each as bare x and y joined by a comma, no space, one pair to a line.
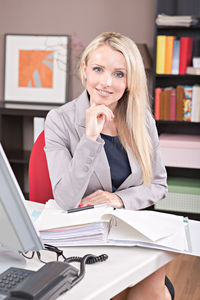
17,231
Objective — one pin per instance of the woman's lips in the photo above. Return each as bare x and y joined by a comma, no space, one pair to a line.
104,92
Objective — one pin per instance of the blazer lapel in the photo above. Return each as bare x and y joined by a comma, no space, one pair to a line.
102,169
136,174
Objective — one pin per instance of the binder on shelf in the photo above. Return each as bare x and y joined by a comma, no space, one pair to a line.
186,44
157,103
179,102
172,115
162,105
160,54
175,57
187,103
195,111
169,54
119,227
167,104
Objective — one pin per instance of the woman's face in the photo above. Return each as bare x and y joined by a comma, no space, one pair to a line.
106,75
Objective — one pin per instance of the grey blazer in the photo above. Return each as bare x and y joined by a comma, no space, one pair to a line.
78,166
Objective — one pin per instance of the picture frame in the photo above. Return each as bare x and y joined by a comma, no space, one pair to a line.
36,68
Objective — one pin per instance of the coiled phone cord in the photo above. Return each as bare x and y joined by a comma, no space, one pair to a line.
87,259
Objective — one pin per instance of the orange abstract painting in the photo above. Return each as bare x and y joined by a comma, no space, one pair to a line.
36,68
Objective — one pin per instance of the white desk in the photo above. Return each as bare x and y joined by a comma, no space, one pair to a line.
125,266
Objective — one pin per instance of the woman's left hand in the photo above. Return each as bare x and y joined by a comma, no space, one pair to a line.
100,197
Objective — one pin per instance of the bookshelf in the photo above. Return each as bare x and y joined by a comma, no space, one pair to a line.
12,136
175,7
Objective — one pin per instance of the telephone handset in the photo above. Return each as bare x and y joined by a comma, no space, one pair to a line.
53,279
49,282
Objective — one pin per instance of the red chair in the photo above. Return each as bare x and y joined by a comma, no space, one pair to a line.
40,189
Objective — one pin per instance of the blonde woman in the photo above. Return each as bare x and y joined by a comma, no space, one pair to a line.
103,146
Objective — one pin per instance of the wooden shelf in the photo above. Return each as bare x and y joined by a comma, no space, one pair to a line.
187,76
12,135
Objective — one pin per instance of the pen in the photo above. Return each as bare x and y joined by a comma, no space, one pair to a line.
85,207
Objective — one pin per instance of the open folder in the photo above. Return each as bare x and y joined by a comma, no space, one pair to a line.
119,227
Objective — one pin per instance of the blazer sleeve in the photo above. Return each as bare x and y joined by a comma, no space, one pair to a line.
69,173
141,196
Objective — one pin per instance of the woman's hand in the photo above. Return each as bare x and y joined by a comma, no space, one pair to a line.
100,197
96,116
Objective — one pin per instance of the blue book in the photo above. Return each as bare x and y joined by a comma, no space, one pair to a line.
175,57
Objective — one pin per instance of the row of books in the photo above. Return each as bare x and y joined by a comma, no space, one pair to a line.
178,104
173,55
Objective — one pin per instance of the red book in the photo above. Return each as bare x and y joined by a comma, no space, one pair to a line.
172,105
157,103
186,44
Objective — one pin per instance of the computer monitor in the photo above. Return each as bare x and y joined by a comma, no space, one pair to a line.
17,232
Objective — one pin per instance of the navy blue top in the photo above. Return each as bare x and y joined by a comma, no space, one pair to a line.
118,160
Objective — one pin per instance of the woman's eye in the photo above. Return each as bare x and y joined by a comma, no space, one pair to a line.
97,69
119,74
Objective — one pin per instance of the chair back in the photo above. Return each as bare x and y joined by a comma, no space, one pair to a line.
40,189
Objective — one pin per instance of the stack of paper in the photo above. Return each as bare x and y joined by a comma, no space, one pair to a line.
166,20
119,227
89,233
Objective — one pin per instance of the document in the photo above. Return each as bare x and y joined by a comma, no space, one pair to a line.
118,227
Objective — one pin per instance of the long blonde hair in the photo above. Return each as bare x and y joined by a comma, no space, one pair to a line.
132,109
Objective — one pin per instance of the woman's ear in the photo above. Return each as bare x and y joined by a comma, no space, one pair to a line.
84,68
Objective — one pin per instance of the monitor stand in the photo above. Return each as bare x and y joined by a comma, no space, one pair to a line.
9,258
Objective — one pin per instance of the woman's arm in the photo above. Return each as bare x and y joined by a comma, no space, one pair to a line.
138,196
71,160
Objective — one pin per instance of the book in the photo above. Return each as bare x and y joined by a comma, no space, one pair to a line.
187,103
195,111
186,44
193,71
169,54
160,54
162,105
175,57
172,113
167,104
157,103
119,227
179,102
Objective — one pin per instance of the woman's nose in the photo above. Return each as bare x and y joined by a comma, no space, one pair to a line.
107,80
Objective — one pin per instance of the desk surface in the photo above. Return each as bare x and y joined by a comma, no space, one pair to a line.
125,266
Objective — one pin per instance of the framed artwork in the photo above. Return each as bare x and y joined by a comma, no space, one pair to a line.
36,68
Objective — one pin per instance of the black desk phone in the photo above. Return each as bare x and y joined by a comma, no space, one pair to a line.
53,279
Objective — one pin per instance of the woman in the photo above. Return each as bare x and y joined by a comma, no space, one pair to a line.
103,146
